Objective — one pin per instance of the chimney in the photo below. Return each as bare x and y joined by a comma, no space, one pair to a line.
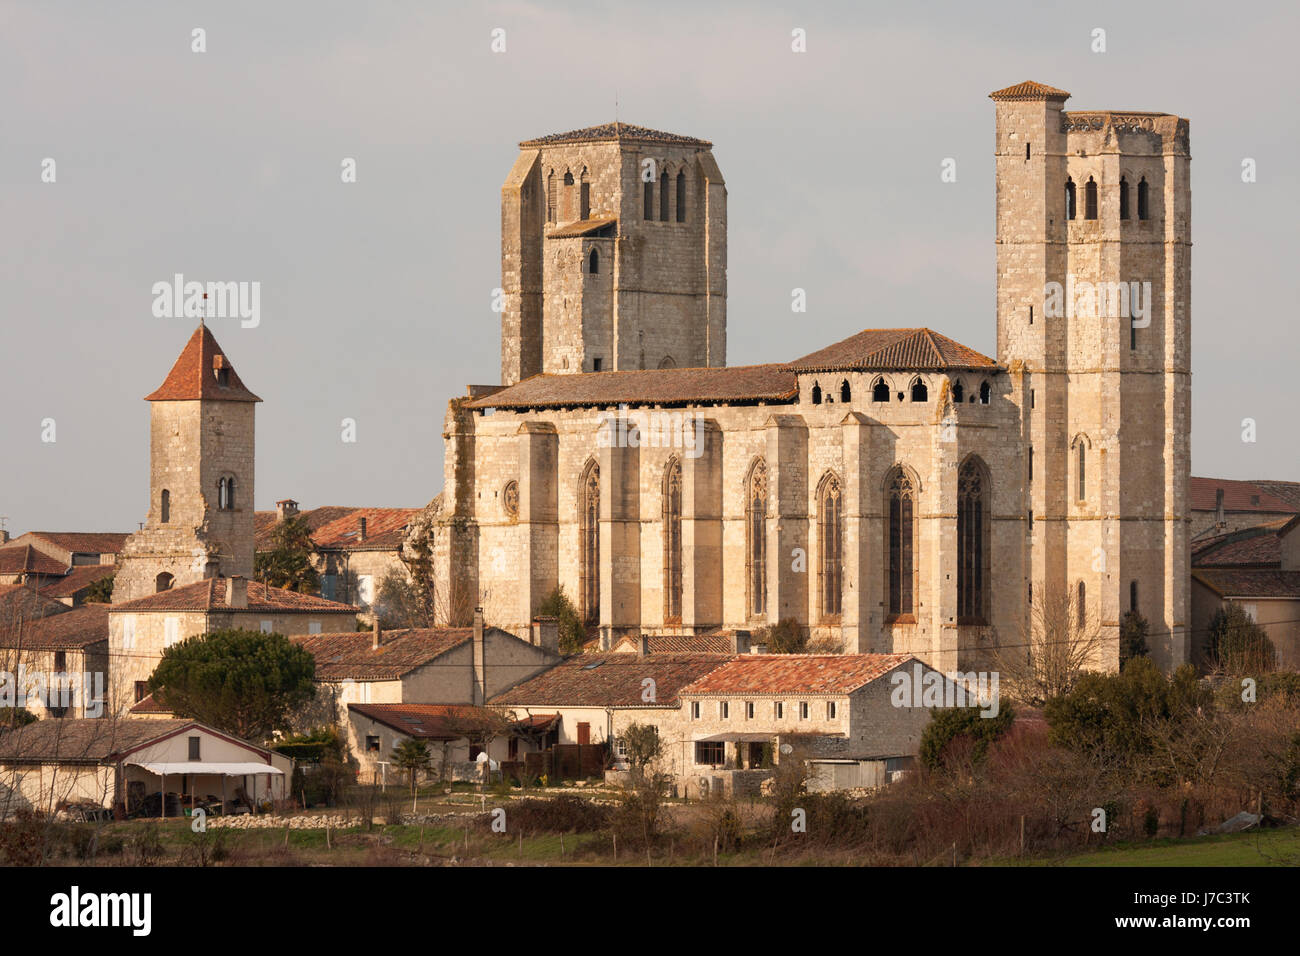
237,591
546,634
4,536
378,637
361,528
642,646
480,660
287,508
740,642
606,638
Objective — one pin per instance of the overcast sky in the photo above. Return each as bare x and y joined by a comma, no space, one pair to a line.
376,296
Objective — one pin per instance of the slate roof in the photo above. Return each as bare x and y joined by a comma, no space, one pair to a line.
611,679
193,377
1029,90
669,386
77,628
352,656
77,579
774,674
27,560
210,595
335,527
614,132
426,721
1250,582
895,350
1202,494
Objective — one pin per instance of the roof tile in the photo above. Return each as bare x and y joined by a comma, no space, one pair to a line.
193,376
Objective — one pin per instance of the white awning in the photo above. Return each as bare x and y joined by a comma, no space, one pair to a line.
200,766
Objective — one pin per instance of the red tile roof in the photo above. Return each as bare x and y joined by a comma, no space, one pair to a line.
1250,582
896,350
77,579
352,656
84,542
1202,495
1029,90
334,527
23,600
795,674
193,376
680,644
611,679
27,560
76,628
210,595
83,739
1258,546
150,705
669,386
613,132
426,721
1288,491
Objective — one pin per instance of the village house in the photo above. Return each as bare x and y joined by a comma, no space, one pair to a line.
355,548
130,764
63,564
1220,505
855,718
140,630
57,665
418,666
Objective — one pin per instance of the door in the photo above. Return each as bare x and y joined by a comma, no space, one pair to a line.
584,734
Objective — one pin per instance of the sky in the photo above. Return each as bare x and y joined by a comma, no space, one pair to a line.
376,295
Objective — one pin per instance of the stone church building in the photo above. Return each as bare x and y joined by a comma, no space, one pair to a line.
893,492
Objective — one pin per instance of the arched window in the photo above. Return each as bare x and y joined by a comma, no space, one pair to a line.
958,392
1069,198
550,196
845,393
593,262
880,391
1081,483
681,196
1133,596
163,582
667,362
902,528
568,178
673,542
589,543
1090,199
165,506
919,392
830,545
663,196
648,199
756,538
972,543
226,493
584,197
816,394
1144,208
1081,614
1123,198
985,393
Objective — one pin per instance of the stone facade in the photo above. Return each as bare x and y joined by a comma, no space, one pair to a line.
546,490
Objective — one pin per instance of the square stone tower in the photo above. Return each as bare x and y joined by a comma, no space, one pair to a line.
1094,313
613,254
200,521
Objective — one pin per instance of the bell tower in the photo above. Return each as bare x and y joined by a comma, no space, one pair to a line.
200,519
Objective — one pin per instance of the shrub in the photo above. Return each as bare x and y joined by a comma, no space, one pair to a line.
564,814
950,724
568,621
1237,644
786,636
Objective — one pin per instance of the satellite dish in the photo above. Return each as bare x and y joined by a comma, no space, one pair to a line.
481,758
484,758
787,749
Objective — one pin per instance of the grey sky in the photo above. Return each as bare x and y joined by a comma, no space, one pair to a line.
376,296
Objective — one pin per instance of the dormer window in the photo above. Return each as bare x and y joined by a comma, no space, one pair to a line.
221,371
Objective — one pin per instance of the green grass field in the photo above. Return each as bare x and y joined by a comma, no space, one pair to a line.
1262,848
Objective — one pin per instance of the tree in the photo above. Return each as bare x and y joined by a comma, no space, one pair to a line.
398,604
951,723
1237,645
412,756
1133,630
784,637
572,632
641,746
101,592
246,683
1058,642
289,562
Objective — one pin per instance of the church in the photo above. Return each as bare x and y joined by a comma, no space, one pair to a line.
893,492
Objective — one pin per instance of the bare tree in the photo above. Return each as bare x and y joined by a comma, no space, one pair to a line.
1061,639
